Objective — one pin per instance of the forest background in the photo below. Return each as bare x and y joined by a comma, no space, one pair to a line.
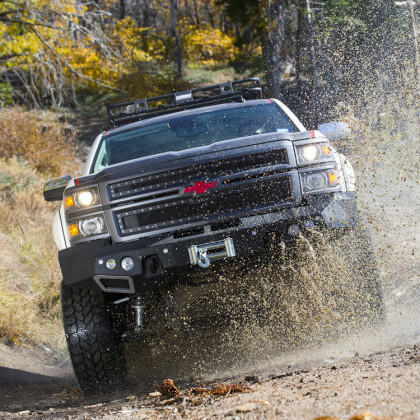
64,61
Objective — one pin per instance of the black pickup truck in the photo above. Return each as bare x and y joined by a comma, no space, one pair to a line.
184,187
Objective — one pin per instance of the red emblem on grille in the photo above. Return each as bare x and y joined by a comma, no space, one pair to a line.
200,187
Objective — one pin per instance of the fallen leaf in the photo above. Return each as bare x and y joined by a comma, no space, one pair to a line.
168,388
200,391
223,389
364,416
326,418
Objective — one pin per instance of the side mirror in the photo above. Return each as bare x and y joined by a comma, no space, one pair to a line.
335,130
54,189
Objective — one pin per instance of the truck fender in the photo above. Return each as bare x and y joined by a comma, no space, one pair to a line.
59,230
348,173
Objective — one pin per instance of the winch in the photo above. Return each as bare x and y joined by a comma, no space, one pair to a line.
202,255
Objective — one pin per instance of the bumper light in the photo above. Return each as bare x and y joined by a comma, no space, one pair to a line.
127,263
110,264
293,231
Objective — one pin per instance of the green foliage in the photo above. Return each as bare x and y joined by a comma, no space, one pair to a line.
250,15
248,65
6,94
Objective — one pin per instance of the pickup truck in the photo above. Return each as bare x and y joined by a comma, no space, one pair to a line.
186,186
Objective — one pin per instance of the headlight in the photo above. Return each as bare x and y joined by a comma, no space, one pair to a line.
82,199
85,198
87,227
310,152
314,153
319,180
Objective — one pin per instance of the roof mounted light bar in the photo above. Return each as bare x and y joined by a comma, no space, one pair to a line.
238,91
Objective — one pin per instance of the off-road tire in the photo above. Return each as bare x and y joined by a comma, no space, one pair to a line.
95,349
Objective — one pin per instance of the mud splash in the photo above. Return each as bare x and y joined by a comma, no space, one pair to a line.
306,308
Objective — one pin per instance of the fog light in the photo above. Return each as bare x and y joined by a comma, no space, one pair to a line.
111,264
316,181
127,263
92,226
293,230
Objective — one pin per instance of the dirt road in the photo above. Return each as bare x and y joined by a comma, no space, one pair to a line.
368,376
383,383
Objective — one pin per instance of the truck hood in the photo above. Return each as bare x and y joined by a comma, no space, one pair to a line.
229,148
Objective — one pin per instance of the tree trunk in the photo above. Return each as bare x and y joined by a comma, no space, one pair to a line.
175,34
209,14
271,43
299,47
122,9
197,17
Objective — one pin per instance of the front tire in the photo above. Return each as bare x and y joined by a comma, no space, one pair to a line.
95,348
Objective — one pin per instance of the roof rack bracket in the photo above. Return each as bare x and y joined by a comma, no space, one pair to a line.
226,89
140,105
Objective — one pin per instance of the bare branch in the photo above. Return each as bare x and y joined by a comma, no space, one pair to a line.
74,71
9,56
8,12
24,22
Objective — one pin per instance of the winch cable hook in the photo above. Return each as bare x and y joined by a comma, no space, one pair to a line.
203,259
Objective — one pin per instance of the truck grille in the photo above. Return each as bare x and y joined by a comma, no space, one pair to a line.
231,201
209,170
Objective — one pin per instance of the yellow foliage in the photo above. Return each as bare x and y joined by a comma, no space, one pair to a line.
63,48
208,45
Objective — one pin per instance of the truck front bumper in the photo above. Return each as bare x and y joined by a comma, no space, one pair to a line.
160,261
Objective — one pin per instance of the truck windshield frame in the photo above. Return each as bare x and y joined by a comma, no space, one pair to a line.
175,132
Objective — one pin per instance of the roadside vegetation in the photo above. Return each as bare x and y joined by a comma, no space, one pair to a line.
34,147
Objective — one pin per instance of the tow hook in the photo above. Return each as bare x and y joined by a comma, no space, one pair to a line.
203,260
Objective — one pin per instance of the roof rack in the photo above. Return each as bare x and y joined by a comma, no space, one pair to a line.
238,91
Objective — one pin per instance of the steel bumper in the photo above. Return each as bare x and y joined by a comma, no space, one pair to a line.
159,261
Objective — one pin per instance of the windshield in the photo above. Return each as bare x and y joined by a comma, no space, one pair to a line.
175,133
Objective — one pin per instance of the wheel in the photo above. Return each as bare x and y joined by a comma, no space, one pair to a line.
96,350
